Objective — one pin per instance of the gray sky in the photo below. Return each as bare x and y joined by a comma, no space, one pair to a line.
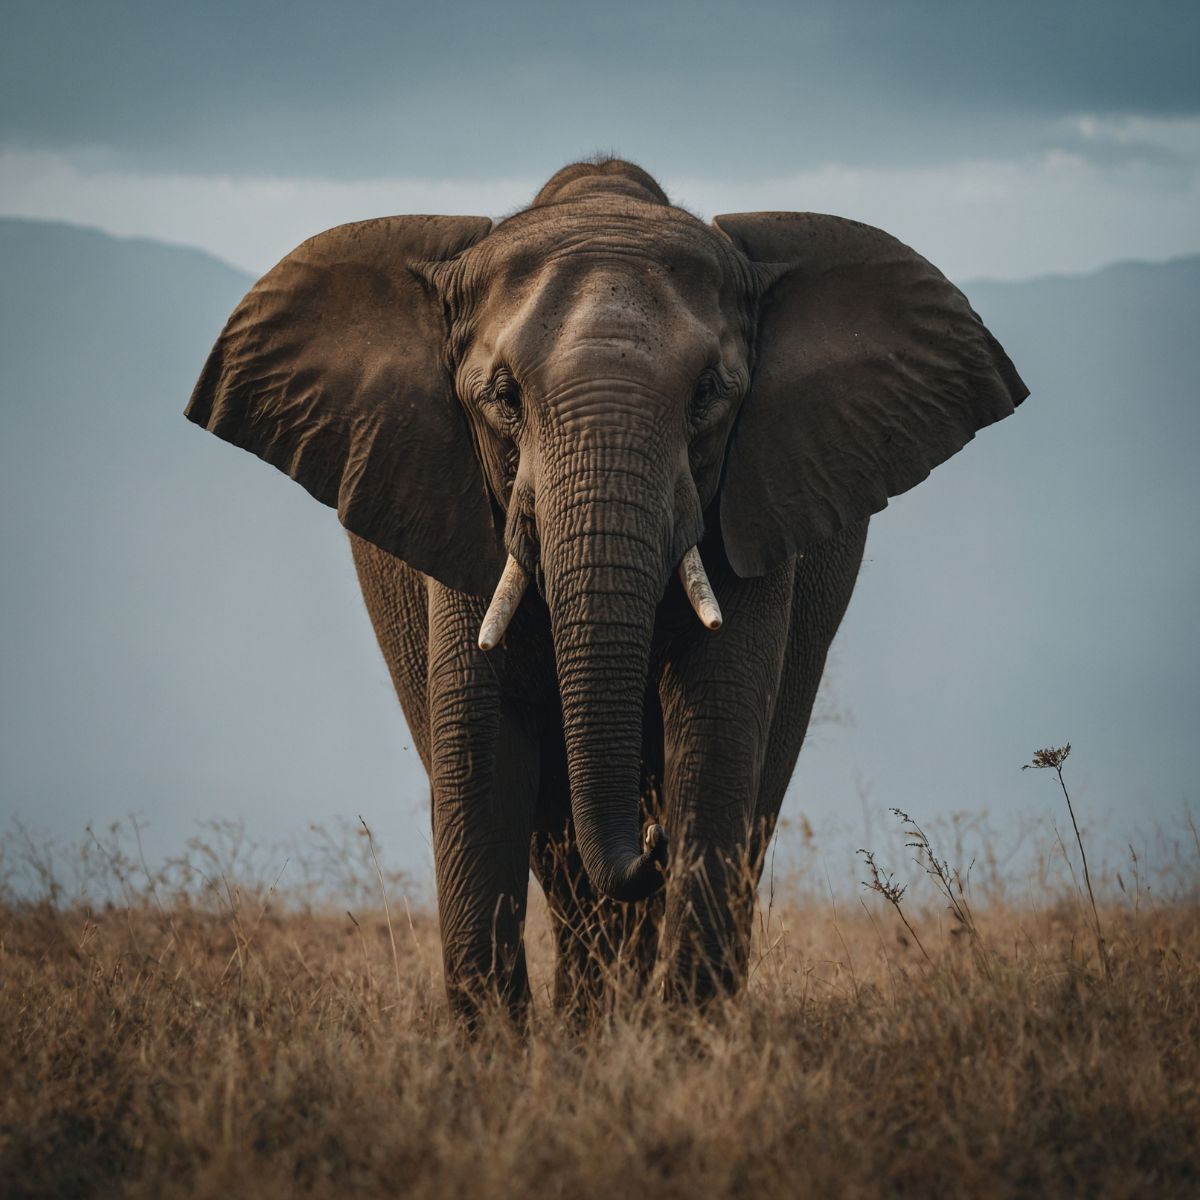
1003,140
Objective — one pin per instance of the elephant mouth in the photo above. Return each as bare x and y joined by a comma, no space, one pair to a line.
516,576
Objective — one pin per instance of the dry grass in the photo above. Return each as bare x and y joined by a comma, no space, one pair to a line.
186,1048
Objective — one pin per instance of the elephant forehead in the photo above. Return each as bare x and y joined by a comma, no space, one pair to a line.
600,294
586,295
571,242
578,312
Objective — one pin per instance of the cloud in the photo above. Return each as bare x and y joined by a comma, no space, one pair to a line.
371,88
1124,140
1069,207
1055,211
250,223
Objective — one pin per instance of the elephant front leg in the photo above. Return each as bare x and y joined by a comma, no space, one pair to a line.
484,776
718,693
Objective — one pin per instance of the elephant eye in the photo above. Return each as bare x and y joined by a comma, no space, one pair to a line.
708,400
508,396
502,402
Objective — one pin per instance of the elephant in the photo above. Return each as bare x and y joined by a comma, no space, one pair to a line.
606,471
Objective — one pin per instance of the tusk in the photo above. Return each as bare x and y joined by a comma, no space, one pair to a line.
699,590
504,603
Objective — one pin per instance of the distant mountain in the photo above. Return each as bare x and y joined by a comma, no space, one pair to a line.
181,632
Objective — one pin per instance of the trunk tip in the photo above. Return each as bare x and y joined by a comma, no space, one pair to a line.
640,875
653,839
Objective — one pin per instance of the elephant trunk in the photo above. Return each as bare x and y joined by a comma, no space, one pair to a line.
604,556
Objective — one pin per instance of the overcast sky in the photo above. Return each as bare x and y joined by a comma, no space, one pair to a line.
1002,140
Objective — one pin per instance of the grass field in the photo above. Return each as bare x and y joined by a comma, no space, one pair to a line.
229,1042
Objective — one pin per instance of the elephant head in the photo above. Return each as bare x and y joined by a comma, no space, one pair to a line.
577,392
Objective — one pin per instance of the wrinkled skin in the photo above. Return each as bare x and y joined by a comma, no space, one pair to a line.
594,386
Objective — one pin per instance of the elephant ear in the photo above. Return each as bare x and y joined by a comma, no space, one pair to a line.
871,369
332,369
